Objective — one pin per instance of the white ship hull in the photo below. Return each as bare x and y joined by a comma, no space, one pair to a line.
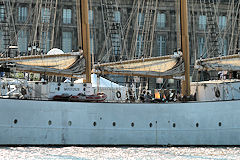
25,122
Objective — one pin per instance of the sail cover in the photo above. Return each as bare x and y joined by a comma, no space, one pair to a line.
58,64
73,64
166,66
224,63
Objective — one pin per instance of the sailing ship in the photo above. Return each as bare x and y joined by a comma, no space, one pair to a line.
39,122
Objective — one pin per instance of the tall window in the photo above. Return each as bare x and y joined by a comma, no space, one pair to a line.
222,22
140,45
202,22
90,17
2,13
67,16
201,47
1,42
45,15
140,19
161,40
22,14
222,46
45,42
117,16
22,41
67,41
238,44
91,43
116,43
161,20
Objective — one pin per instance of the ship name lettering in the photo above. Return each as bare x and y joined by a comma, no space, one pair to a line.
71,89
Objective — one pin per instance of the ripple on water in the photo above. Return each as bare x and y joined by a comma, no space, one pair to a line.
90,153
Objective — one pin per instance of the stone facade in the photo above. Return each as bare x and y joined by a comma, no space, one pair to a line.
165,40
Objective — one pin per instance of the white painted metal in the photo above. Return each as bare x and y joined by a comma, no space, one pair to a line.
217,90
50,122
114,91
43,90
113,94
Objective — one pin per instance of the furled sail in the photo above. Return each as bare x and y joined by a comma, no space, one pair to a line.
226,63
166,66
72,63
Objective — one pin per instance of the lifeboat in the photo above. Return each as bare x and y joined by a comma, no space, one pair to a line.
99,97
62,97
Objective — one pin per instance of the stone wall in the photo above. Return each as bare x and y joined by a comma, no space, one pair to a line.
170,31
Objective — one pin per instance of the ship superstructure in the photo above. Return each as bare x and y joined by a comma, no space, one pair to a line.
38,122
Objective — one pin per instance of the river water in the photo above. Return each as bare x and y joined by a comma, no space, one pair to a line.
119,153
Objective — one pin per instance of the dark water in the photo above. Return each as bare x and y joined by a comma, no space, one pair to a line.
118,153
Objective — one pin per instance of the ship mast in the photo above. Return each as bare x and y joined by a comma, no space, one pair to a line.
185,47
184,38
84,35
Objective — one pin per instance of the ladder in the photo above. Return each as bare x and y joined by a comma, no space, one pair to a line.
9,30
148,28
212,27
112,30
142,40
44,39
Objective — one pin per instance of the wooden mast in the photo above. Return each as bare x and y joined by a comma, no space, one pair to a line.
184,38
79,32
185,47
85,36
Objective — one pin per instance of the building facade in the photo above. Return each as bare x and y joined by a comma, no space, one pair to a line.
120,30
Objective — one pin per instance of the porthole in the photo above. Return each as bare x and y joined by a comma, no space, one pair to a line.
114,124
174,125
100,118
94,123
150,125
15,121
197,125
49,122
69,123
132,124
220,124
